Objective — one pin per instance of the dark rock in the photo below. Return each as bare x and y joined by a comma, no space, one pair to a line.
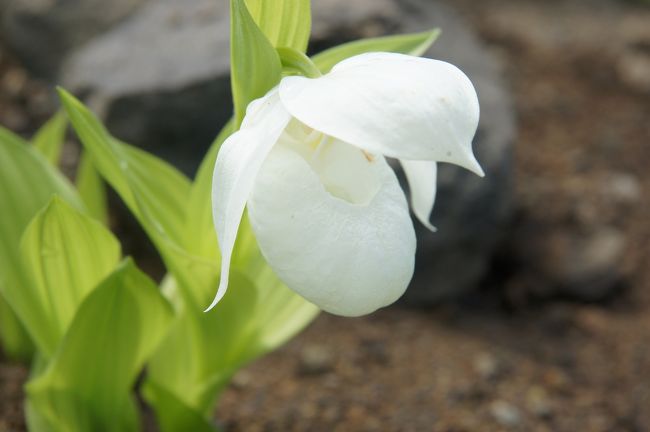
41,32
471,213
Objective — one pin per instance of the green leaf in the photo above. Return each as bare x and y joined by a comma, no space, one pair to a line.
50,137
414,44
87,385
286,23
27,182
67,254
155,192
202,350
16,343
91,189
255,65
173,414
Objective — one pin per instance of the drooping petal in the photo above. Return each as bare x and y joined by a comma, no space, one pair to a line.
392,104
238,163
346,245
421,176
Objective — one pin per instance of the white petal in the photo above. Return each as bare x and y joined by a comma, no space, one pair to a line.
238,163
392,104
346,245
421,176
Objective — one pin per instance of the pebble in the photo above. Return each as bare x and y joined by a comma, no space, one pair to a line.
634,70
587,266
538,402
505,413
623,188
241,379
487,366
315,360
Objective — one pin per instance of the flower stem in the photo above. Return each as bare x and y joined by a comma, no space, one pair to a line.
296,61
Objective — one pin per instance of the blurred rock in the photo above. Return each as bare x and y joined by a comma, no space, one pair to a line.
41,32
160,80
584,266
315,360
623,188
505,413
634,70
487,366
538,402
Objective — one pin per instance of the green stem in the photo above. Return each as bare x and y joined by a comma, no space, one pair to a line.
295,60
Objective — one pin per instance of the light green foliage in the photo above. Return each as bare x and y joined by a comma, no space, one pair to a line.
87,385
413,44
67,254
255,65
27,182
286,23
49,141
50,138
91,189
202,350
14,339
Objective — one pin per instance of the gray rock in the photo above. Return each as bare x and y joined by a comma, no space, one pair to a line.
160,79
41,32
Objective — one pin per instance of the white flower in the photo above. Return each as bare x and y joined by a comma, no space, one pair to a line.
309,162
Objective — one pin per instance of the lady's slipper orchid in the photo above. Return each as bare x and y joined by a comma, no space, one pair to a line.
309,162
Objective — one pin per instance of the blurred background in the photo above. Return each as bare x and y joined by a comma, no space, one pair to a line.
530,308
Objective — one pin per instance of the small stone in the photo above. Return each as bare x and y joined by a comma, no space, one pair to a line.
585,266
538,403
315,360
633,69
505,413
623,188
242,379
487,366
592,320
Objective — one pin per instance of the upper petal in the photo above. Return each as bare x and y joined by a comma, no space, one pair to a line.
346,246
393,104
421,176
238,163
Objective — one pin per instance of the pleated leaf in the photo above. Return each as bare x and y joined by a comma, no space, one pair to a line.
27,183
87,385
49,139
255,65
286,23
92,189
68,254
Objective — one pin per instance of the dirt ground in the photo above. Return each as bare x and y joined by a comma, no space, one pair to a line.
508,357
